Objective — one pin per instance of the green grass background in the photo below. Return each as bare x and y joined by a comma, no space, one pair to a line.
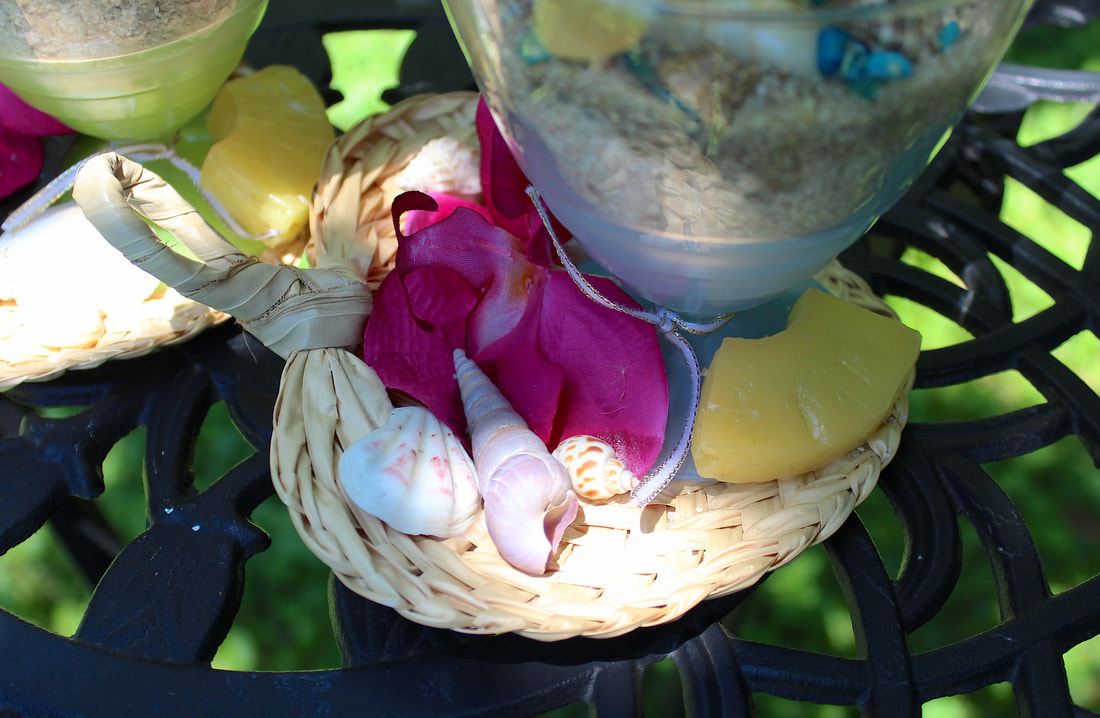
283,622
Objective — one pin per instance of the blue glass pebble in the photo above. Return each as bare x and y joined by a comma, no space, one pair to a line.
887,65
532,51
831,42
863,69
948,35
854,64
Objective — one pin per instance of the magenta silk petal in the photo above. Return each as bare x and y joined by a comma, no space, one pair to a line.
502,181
504,187
20,150
417,322
18,116
20,161
568,365
417,219
615,383
515,364
487,257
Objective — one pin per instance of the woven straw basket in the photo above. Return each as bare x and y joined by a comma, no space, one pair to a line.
620,566
163,318
30,350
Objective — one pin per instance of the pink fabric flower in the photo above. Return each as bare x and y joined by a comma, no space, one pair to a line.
21,154
464,279
504,187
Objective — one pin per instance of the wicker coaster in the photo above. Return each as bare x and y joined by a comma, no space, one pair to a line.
163,318
620,567
32,348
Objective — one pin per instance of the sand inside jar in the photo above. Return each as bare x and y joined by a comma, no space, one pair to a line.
85,29
695,139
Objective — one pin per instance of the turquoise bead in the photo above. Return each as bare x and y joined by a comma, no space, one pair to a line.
887,65
831,42
948,35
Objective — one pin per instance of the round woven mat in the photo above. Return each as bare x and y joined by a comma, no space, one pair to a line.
30,350
163,318
620,566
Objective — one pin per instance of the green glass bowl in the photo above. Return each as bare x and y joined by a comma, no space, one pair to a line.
137,96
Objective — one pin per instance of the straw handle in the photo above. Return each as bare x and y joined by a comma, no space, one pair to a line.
287,308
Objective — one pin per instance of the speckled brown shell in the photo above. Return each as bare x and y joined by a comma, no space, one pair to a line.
594,469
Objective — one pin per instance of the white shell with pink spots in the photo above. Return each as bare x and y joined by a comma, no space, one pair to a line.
414,474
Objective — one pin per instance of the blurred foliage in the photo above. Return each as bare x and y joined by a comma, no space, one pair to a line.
1066,48
364,63
283,622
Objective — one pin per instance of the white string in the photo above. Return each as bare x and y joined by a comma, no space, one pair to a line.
669,323
41,200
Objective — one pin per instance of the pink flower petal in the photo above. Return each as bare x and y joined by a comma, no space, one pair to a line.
418,219
417,322
527,379
504,187
18,116
568,365
502,181
561,372
615,383
487,257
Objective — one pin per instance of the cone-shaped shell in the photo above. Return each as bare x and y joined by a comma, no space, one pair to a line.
414,474
529,500
594,469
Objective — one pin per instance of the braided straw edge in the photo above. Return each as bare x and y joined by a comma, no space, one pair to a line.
162,320
462,583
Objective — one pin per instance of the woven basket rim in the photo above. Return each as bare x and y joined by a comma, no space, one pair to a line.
21,361
695,541
163,318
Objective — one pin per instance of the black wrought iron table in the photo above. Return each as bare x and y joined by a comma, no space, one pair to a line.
163,602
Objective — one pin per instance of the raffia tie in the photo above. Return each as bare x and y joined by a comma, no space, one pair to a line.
287,308
669,324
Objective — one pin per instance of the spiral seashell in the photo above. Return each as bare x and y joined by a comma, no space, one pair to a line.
593,467
529,500
413,473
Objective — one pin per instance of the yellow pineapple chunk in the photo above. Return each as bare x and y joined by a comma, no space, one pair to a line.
271,134
586,29
792,402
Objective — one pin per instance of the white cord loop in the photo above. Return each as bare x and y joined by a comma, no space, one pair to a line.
669,324
41,200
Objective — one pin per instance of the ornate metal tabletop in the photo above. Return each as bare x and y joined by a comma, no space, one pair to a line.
164,602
